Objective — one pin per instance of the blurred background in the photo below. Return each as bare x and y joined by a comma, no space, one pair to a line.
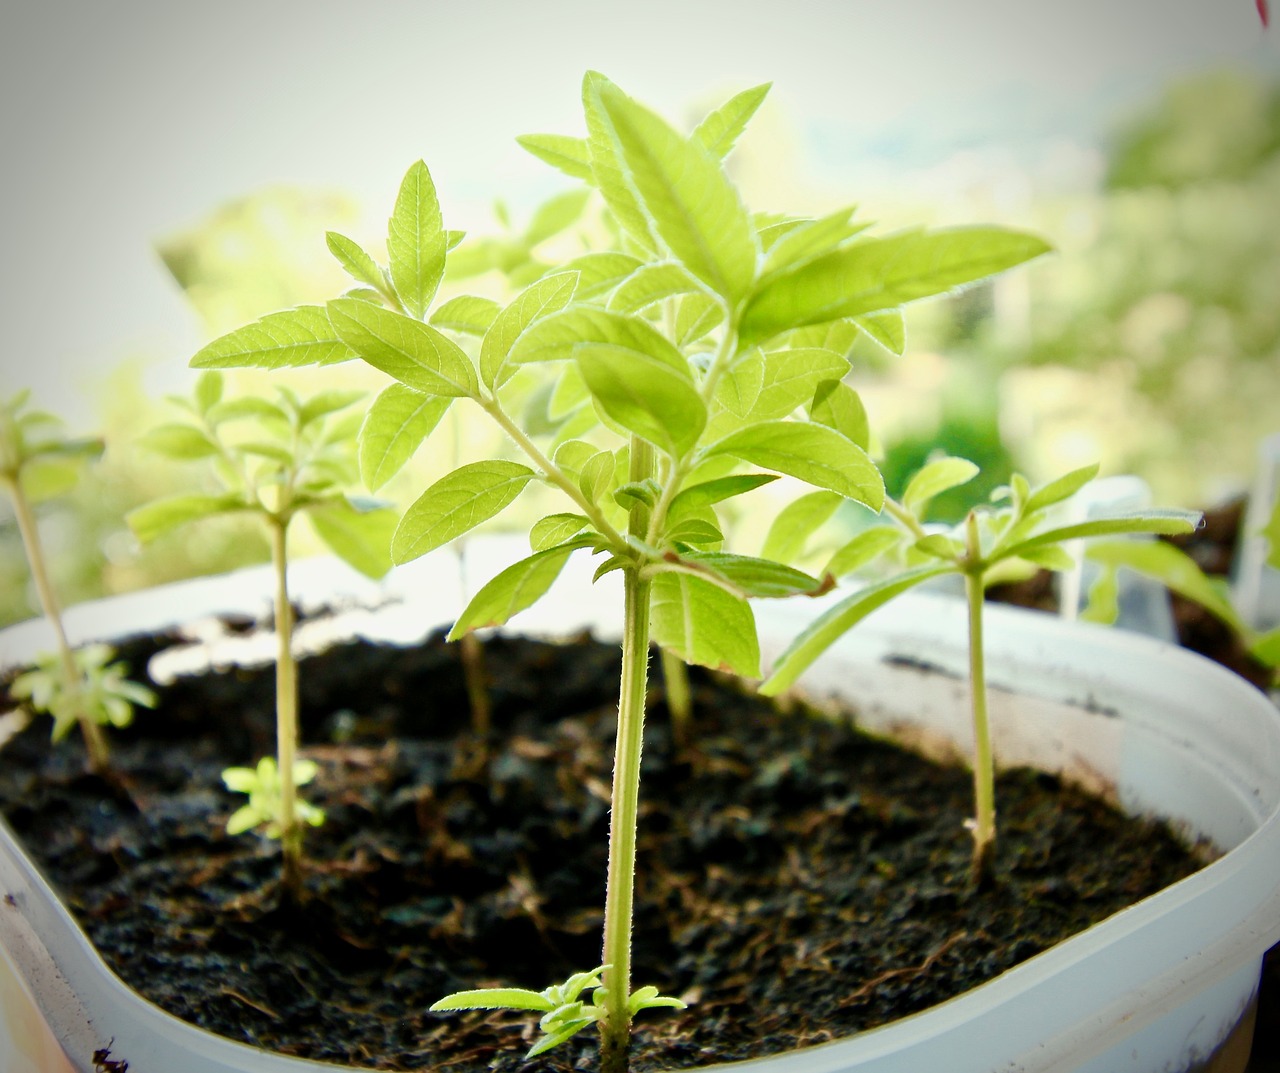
170,171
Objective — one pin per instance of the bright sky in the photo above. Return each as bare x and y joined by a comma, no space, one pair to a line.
124,122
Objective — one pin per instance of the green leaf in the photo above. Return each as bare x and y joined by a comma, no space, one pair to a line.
580,329
718,132
652,283
393,429
934,478
740,385
696,316
405,349
701,623
518,586
1058,490
838,406
693,208
1172,568
555,529
608,171
1160,522
792,376
561,151
834,623
324,403
1050,557
600,273
416,241
182,442
803,240
889,329
495,998
697,496
456,503
1266,648
694,530
357,263
548,295
467,313
646,396
863,549
761,578
560,1035
301,336
158,517
554,215
596,475
208,390
246,406
795,524
44,478
880,274
362,539
812,453
1271,531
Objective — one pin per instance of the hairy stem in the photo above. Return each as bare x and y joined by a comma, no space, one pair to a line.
675,677
982,867
615,1029
95,740
286,715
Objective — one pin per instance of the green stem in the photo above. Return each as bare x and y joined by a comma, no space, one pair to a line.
286,714
615,1029
982,865
473,674
95,740
675,677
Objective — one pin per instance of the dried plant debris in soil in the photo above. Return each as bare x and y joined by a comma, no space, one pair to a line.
798,882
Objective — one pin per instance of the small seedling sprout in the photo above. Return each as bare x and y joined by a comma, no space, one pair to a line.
709,339
989,540
274,460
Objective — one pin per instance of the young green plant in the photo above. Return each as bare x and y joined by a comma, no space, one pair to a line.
637,383
274,460
38,463
989,541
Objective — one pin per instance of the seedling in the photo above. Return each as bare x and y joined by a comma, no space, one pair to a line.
101,692
274,460
712,338
266,801
988,541
38,463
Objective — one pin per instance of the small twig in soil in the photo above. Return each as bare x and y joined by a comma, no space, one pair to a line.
869,987
232,993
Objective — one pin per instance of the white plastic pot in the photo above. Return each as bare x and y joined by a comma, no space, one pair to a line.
1162,987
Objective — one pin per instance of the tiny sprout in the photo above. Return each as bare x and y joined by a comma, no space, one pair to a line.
262,784
564,1012
103,692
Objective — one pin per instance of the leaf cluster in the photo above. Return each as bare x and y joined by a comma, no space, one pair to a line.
35,455
102,692
272,458
564,1011
263,808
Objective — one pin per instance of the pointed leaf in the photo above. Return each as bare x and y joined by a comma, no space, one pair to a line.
181,442
600,273
554,215
495,998
796,523
467,313
803,240
879,274
416,242
760,578
696,316
697,496
652,283
362,539
792,376
1061,489
863,549
323,403
740,385
357,263
934,478
579,328
646,396
208,390
301,336
393,429
565,153
548,295
838,406
813,453
1160,522
608,171
407,350
555,529
1172,568
701,623
889,329
517,587
834,623
158,517
455,504
718,132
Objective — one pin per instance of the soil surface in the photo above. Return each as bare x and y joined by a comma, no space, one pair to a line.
797,881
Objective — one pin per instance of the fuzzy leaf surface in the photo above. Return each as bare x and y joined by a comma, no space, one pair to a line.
720,130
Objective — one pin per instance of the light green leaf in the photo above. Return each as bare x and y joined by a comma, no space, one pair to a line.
517,587
208,390
456,503
646,396
555,529
695,530
697,496
838,406
608,171
467,313
548,295
883,273
1266,648
934,478
1050,557
1058,490
495,998
562,152
596,475
652,283
569,393
813,453
792,376
863,549
553,1039
796,523
600,273
246,406
405,349
755,577
696,316
579,329
692,206
1172,568
889,329
45,478
393,429
301,336
416,241
1160,522
701,623
740,385
158,517
357,263
803,240
554,215
718,132
1271,531
834,623
327,402
1103,604
181,442
362,539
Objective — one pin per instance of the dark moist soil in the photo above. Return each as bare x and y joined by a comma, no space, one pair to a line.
798,882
